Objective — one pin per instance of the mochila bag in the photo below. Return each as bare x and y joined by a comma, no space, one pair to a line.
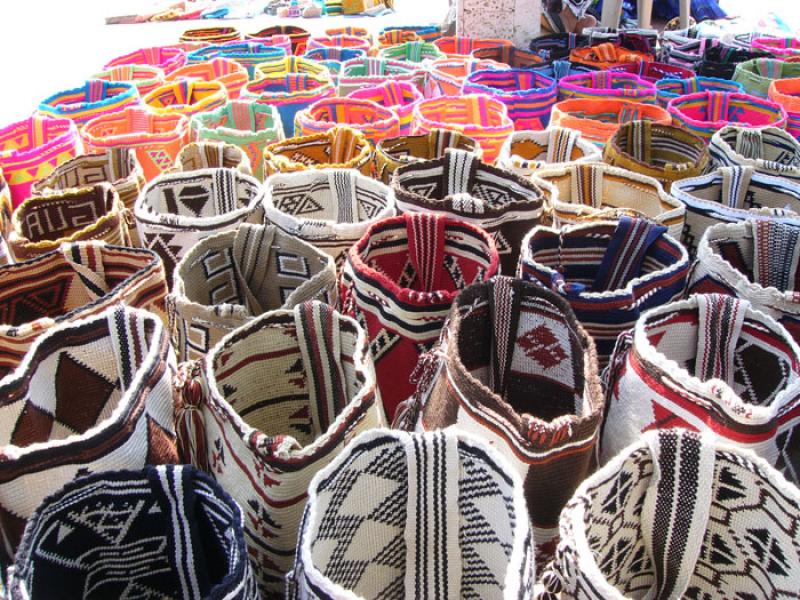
368,71
607,84
696,518
515,58
781,47
672,88
464,46
653,72
338,148
720,61
90,395
330,209
609,272
165,58
43,222
756,75
228,279
264,423
177,210
230,74
214,35
339,41
297,35
394,37
515,369
175,532
445,76
769,151
429,515
361,32
211,155
94,98
373,120
597,191
606,56
525,152
334,58
186,97
529,96
557,46
248,54
289,65
785,92
733,194
415,51
145,78
461,186
710,363
399,282
283,42
427,33
401,97
558,69
665,152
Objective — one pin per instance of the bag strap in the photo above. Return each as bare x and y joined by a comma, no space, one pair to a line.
735,183
503,307
639,140
425,233
249,258
459,171
625,253
561,144
777,255
749,143
586,185
720,320
342,184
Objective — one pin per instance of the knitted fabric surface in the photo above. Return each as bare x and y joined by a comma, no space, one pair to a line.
177,210
427,515
720,61
464,46
401,97
414,52
510,56
374,121
607,84
596,191
710,363
606,56
211,34
362,72
400,280
171,530
665,152
293,64
461,186
598,120
247,54
672,88
529,96
480,117
290,94
330,209
156,139
782,47
525,152
653,72
609,272
756,75
264,423
391,154
679,516
31,149
733,194
90,395
228,279
231,75
186,97
297,35
769,151
145,78
785,92
196,156
520,373
43,222
94,98
166,59
338,148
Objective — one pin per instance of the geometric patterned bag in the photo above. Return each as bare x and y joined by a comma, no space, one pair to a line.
679,515
195,156
393,153
73,282
231,75
228,279
769,150
91,395
461,186
515,368
524,152
270,405
169,531
398,515
710,363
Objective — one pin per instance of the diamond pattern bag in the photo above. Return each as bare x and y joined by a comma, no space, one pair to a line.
228,279
398,515
264,423
90,395
171,531
525,152
515,368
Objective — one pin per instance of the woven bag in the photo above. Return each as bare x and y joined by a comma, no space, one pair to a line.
445,76
361,32
678,48
669,88
606,56
334,58
395,37
264,423
609,272
283,42
90,395
228,279
401,97
43,222
145,78
400,280
214,35
515,369
733,194
664,152
558,69
374,121
720,61
338,148
330,209
785,92
368,71
477,116
781,47
171,530
177,210
231,75
464,46
528,95
710,363
640,39
756,75
677,515
31,149
94,98
186,97
247,54
769,151
166,59
462,187
510,56
427,33
433,515
297,35
653,72
339,41
412,52
525,152
289,65
557,46
393,153
607,84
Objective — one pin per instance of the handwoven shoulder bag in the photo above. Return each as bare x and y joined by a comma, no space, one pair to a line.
445,76
94,98
186,97
340,147
756,75
339,41
248,54
292,65
228,279
274,402
786,92
529,96
672,88
230,74
607,84
606,56
781,47
211,155
429,515
334,58
284,42
166,59
393,153
214,35
399,96
413,52
512,57
362,72
463,46
297,35
720,61
373,120
145,78
557,46
653,72
525,152
389,37
427,33
768,150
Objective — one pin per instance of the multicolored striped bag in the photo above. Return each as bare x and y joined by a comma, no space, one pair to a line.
231,75
247,54
156,139
413,52
606,84
186,97
768,150
427,33
229,279
461,46
211,155
401,97
166,59
264,423
297,35
145,78
720,61
512,57
462,187
558,69
445,76
334,58
393,153
606,56
672,88
557,46
369,71
361,32
756,75
340,147
89,396
680,50
399,281
781,47
374,121
786,92
276,41
528,95
289,65
480,117
339,41
394,37
331,209
94,98
609,272
525,152
654,72
213,35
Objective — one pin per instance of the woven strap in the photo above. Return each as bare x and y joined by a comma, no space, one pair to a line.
87,261
460,168
248,257
640,136
504,308
777,255
718,106
625,252
426,247
129,339
586,185
749,143
720,320
342,184
561,144
735,183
